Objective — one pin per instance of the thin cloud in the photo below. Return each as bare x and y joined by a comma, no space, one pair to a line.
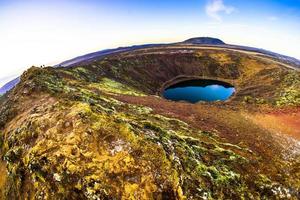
215,8
272,18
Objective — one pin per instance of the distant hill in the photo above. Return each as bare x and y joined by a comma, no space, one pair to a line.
204,40
8,86
102,53
199,41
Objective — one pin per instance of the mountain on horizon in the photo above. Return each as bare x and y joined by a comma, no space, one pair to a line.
205,40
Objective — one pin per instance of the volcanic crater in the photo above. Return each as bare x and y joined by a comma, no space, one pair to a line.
100,128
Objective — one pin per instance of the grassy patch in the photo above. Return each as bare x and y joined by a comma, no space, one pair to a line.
112,86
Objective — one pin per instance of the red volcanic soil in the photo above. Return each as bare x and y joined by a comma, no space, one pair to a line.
282,121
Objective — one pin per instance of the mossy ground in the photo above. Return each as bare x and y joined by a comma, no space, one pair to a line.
97,132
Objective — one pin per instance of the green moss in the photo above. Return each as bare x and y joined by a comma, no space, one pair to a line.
290,91
112,86
254,100
13,155
140,109
290,96
83,143
81,70
186,153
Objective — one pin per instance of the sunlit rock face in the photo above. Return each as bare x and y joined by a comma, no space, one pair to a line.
102,129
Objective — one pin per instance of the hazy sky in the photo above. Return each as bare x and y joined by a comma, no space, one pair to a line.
36,32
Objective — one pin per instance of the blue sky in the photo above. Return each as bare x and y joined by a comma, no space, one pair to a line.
36,32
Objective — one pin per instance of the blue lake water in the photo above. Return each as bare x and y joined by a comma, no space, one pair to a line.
194,91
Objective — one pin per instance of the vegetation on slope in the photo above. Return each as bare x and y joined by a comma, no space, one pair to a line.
290,90
64,135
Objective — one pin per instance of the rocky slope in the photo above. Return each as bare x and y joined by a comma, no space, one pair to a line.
101,130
